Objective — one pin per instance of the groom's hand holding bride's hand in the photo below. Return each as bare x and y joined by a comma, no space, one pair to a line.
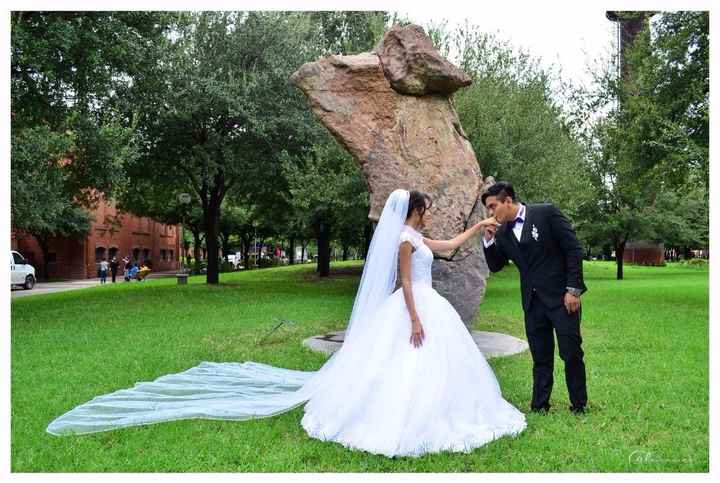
490,232
490,225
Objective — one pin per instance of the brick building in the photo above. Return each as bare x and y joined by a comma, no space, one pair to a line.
111,234
644,253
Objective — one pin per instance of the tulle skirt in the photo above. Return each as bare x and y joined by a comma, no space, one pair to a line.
385,396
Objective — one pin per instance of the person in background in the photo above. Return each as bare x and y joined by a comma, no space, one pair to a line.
103,270
128,266
132,273
143,271
114,265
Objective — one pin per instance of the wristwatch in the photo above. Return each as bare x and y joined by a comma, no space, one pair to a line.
574,291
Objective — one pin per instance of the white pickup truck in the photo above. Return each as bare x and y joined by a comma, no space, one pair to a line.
21,272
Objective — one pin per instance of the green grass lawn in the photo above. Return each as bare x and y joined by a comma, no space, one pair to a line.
645,340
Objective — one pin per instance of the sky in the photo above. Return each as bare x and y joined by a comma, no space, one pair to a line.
573,39
572,34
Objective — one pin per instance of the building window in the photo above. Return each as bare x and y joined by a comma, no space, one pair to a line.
113,252
136,254
146,254
99,254
162,255
170,255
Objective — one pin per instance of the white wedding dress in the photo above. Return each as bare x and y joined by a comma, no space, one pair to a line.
378,393
407,401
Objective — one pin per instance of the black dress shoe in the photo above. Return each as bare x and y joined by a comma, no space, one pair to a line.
540,409
577,410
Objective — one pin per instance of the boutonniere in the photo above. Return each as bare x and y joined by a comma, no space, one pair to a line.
535,233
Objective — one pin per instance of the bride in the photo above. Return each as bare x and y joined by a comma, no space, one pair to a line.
408,380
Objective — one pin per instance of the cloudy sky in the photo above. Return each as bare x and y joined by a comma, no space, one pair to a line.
572,37
572,34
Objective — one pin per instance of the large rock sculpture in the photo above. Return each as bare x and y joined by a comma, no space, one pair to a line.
392,109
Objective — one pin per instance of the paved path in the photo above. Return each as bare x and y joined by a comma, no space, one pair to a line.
52,287
65,285
491,344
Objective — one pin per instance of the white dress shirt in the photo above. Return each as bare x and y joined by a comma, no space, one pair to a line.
517,229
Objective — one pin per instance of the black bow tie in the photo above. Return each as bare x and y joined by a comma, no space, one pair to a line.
511,224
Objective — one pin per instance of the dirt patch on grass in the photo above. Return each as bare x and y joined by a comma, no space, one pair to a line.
335,273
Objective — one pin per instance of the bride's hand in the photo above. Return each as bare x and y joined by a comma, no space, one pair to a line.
487,222
418,334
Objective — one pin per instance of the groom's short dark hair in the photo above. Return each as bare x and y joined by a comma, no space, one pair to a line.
501,189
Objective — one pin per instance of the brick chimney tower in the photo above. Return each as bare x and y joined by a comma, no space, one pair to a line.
629,25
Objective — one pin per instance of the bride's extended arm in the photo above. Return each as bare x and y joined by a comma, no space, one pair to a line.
417,330
452,244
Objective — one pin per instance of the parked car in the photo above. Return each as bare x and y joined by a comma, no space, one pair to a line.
21,272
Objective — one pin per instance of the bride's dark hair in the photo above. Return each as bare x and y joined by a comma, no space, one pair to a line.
418,201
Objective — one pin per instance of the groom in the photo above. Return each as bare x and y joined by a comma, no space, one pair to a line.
539,240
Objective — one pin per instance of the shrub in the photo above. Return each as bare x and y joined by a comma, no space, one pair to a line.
226,266
696,262
268,262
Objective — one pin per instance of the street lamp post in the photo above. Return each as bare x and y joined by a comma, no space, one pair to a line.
255,248
184,199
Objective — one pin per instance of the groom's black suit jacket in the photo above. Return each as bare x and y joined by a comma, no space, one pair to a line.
548,262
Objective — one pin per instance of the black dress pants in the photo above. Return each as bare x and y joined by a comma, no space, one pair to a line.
539,323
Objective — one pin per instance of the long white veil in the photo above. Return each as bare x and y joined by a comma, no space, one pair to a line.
239,391
380,271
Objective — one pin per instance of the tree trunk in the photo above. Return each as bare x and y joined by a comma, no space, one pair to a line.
44,244
367,232
322,233
291,250
619,252
196,245
303,246
246,253
344,252
212,218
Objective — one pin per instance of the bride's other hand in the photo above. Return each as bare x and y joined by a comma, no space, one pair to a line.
418,334
446,246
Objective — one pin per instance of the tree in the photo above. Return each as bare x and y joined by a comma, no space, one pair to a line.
66,69
42,196
68,142
673,76
514,121
346,32
37,176
328,191
681,217
236,220
648,154
224,110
